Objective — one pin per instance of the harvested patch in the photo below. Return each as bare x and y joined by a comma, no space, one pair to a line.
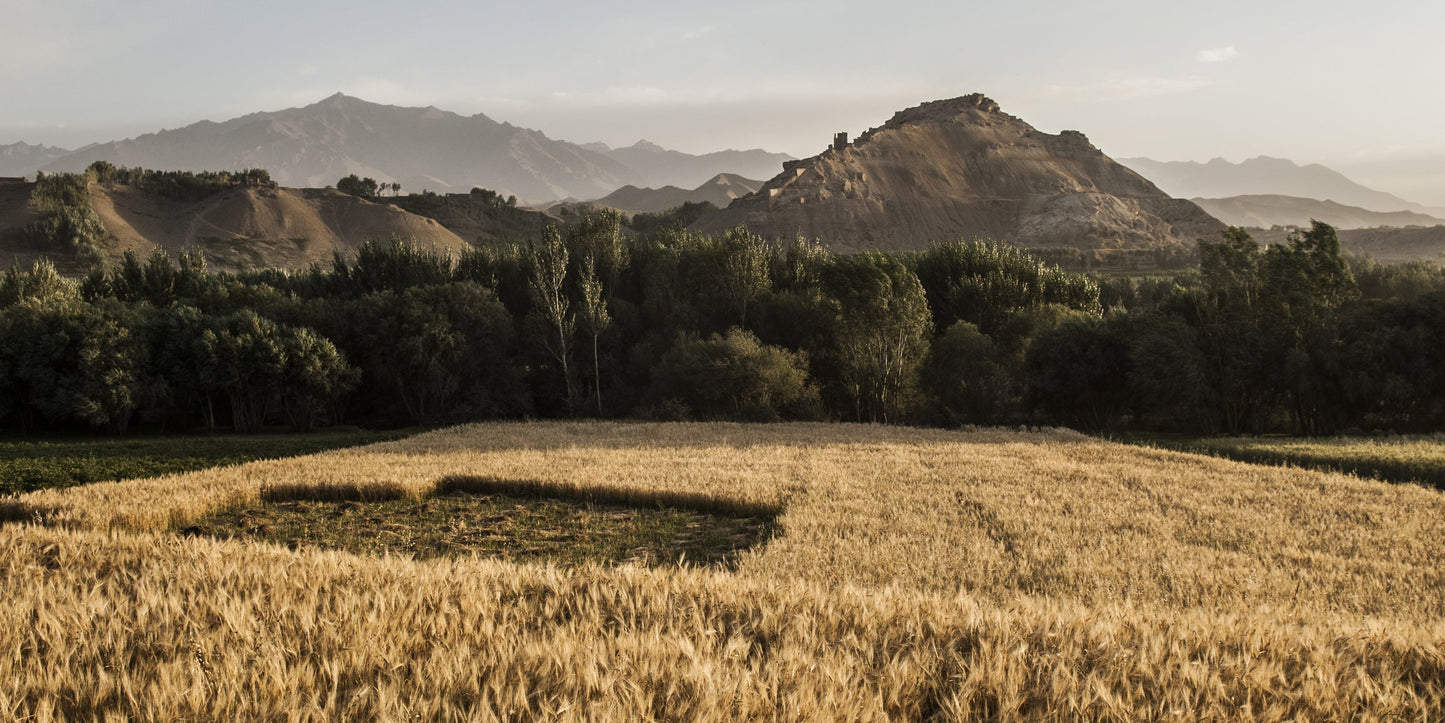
568,531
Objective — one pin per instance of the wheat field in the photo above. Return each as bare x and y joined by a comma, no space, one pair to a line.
915,575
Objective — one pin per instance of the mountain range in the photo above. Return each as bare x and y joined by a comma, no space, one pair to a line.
957,168
1264,175
1264,211
23,159
962,168
420,148
660,167
720,190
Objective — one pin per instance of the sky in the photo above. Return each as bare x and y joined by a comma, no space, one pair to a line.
1354,85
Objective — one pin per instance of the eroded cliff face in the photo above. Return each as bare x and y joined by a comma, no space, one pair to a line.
962,168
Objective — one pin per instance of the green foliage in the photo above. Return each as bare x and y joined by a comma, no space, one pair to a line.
41,283
397,265
587,320
1377,281
734,376
64,462
967,378
882,331
56,191
675,219
498,221
363,187
552,307
68,361
68,223
984,282
184,186
1079,372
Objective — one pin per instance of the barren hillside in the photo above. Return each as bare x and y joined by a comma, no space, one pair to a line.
251,227
962,168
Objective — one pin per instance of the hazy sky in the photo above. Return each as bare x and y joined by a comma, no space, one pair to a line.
1354,85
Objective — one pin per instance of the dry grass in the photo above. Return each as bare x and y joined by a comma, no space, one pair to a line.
1398,459
915,574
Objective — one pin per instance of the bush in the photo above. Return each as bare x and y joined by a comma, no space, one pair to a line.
733,376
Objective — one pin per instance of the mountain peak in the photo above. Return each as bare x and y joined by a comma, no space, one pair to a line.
646,145
962,168
948,109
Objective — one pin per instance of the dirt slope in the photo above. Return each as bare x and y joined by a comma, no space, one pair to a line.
961,168
282,227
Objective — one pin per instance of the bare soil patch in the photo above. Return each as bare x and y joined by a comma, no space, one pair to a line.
517,528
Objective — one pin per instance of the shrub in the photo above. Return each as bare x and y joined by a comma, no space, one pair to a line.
734,376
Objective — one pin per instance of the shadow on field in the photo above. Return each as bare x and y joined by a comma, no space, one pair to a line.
13,511
516,520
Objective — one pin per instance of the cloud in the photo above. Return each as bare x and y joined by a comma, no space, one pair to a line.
1216,55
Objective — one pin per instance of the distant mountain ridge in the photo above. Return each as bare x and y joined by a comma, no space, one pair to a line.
662,167
421,148
1262,176
720,190
961,168
1265,211
23,160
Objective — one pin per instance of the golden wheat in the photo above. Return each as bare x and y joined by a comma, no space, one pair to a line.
917,574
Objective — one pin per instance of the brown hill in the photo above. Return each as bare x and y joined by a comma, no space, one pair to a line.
961,168
251,227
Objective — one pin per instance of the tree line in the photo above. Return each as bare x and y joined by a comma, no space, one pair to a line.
589,321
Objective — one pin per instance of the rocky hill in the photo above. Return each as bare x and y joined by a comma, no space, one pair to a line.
962,168
1263,176
720,191
1269,210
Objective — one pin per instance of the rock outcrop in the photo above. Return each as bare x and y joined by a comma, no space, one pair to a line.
962,168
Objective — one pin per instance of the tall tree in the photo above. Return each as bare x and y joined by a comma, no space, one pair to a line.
883,325
551,302
592,313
